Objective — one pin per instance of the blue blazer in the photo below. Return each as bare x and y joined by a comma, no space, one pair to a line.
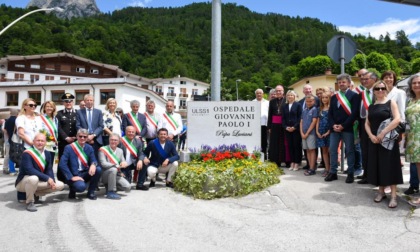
142,120
69,161
30,167
292,118
97,122
337,115
156,159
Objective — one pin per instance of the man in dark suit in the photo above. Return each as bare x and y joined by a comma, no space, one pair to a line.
344,107
133,153
135,119
79,166
163,158
91,119
36,176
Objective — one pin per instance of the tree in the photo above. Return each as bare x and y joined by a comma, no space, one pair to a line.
378,61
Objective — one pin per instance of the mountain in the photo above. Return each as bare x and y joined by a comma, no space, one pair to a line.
72,8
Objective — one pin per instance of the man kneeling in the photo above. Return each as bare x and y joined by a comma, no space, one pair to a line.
163,158
111,159
36,177
79,166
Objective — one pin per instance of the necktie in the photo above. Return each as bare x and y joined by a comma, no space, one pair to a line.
90,120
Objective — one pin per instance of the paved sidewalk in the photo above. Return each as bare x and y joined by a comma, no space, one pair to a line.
299,214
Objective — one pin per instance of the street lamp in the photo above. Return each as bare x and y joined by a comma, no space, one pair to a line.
364,56
237,94
58,9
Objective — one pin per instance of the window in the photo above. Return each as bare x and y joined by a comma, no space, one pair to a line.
20,65
195,84
195,91
35,66
48,77
94,70
12,98
65,68
171,90
19,77
80,69
159,89
36,95
66,79
183,83
170,82
182,104
50,67
80,95
106,94
56,95
34,77
183,92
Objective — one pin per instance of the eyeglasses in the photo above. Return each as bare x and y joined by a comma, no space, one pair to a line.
119,111
68,101
32,105
380,88
82,137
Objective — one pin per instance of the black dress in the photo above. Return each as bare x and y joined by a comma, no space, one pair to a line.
383,165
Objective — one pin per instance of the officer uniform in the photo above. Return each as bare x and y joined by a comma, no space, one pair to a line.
66,124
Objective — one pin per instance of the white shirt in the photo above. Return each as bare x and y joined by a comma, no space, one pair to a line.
264,111
31,126
400,98
151,129
164,123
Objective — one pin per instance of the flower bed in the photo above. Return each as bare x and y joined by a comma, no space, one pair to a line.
223,172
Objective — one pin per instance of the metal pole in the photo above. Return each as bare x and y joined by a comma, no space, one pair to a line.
27,14
216,49
342,71
237,92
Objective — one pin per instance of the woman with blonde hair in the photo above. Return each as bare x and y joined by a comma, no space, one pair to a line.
292,112
28,123
50,127
112,120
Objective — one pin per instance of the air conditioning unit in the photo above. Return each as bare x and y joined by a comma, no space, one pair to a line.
94,71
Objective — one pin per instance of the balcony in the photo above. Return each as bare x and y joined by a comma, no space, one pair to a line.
183,95
182,107
171,94
160,93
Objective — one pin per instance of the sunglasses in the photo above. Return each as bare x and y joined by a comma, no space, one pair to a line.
32,105
82,137
68,101
380,88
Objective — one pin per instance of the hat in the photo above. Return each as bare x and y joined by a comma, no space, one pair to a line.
67,96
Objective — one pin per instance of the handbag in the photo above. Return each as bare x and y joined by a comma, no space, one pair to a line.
401,126
16,149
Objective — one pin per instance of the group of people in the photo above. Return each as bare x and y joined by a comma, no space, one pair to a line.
93,146
350,117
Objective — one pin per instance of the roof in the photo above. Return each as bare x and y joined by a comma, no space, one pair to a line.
409,2
64,82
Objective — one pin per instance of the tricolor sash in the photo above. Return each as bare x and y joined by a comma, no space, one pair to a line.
360,89
170,120
80,153
161,151
367,101
52,128
129,146
134,121
151,119
40,161
110,155
344,102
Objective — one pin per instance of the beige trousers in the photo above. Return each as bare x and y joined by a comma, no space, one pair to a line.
170,168
32,186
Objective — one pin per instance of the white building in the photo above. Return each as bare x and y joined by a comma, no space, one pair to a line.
48,76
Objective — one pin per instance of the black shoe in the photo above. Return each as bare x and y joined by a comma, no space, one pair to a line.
345,172
350,179
72,195
170,184
92,196
152,183
37,200
287,165
142,187
306,167
331,177
411,190
360,177
362,181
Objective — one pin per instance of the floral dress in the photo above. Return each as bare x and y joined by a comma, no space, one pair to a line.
323,127
412,116
113,123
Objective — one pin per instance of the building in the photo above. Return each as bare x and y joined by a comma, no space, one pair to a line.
48,76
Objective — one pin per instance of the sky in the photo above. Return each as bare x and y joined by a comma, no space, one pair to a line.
365,17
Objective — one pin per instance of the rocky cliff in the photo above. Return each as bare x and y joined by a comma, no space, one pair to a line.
72,8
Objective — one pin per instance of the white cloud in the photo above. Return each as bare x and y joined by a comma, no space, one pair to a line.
411,27
141,3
